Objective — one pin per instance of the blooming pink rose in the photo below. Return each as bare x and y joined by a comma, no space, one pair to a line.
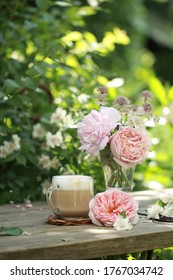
130,146
106,207
94,130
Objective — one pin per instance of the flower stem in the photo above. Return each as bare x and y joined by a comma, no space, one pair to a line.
114,174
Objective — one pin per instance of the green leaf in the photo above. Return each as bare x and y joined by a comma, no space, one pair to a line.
10,157
72,36
170,94
158,90
30,25
11,231
123,214
20,183
21,160
86,11
43,5
130,257
161,203
62,3
10,86
28,83
31,158
36,70
1,94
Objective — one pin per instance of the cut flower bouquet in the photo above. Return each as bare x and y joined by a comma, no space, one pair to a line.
118,134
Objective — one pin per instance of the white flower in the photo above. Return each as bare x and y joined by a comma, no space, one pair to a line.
54,140
55,163
16,142
61,119
134,220
58,116
69,122
135,121
4,152
83,98
168,198
154,211
167,211
44,162
38,131
9,147
122,224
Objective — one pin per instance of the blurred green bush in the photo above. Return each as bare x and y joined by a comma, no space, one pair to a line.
53,56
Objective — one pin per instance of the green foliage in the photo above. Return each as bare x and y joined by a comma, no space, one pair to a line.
163,254
157,254
53,56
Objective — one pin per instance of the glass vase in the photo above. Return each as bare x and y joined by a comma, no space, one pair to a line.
114,174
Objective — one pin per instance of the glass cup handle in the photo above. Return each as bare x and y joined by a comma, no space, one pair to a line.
48,198
49,192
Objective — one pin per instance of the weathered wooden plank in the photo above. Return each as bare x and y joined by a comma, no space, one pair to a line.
86,248
77,242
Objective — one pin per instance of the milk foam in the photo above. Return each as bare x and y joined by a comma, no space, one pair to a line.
72,182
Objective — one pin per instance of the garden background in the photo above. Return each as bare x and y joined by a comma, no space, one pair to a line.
54,54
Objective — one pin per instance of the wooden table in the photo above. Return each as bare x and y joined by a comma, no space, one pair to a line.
45,241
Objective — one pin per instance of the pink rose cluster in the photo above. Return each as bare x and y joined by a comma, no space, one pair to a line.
106,207
94,130
130,146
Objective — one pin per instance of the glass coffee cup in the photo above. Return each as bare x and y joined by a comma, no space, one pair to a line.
69,195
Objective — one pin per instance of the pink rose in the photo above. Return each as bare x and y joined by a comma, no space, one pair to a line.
94,130
130,146
106,207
